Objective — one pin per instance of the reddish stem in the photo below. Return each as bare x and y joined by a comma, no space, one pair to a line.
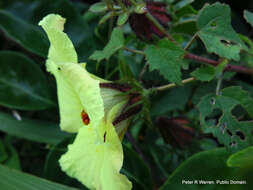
233,68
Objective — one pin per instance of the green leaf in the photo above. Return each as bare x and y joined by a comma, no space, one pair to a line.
241,159
182,4
206,166
174,99
186,12
78,29
13,159
216,32
167,58
98,7
136,170
37,131
204,73
106,17
241,96
122,19
185,27
26,35
248,16
229,131
209,73
12,180
246,57
23,85
116,42
3,153
203,90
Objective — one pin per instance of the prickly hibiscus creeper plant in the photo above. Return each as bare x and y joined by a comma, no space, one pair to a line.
93,108
99,111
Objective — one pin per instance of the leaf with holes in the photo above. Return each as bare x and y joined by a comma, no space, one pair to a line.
167,58
228,130
215,30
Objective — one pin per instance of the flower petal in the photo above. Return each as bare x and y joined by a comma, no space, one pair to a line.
61,48
95,158
112,97
77,91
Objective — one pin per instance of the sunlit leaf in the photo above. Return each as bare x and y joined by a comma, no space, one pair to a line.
241,159
207,167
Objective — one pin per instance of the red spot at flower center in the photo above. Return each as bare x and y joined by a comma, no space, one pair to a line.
85,118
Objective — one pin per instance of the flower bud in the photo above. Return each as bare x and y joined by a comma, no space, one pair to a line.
143,27
175,131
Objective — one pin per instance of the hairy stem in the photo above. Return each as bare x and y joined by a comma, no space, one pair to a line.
134,51
219,83
171,85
